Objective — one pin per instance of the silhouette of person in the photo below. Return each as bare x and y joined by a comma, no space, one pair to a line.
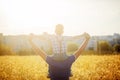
60,63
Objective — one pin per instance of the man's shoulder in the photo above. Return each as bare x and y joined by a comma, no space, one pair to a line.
60,64
70,58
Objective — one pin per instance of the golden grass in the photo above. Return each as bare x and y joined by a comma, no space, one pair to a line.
84,68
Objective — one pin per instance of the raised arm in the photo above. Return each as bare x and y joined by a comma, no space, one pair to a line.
83,45
36,49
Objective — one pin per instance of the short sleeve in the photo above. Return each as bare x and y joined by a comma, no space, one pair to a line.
48,59
72,58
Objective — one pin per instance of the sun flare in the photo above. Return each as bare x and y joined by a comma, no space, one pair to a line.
37,16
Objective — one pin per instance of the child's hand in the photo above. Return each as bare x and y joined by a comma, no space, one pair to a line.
86,35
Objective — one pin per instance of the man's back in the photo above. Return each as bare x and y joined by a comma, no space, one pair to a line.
60,69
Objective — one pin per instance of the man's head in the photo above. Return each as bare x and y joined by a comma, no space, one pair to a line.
59,29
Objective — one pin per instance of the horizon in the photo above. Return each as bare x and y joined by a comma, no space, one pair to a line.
96,17
52,34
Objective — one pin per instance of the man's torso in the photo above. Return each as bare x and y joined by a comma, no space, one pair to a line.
60,68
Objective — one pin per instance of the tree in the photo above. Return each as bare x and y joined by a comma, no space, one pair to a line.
5,50
90,48
116,47
104,47
25,51
72,47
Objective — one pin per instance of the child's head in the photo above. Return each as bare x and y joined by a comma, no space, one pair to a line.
59,30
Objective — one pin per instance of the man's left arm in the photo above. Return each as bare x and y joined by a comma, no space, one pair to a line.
82,47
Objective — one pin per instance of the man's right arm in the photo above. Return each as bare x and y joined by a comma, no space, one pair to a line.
36,49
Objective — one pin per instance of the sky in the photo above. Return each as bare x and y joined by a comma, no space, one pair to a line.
96,17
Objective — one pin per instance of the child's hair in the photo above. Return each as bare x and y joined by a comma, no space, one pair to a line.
59,29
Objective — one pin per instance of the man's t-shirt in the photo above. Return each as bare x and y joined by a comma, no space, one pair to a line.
60,68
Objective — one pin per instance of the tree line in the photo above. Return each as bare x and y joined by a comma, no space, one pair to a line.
103,47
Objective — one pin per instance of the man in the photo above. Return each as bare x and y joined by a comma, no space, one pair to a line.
59,46
60,63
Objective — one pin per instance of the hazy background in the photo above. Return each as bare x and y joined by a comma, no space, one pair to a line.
97,17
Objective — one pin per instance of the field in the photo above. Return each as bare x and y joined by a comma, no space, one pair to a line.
84,68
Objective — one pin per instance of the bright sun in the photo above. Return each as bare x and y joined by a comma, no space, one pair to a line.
78,16
37,16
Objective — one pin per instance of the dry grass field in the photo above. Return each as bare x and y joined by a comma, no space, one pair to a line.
105,67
